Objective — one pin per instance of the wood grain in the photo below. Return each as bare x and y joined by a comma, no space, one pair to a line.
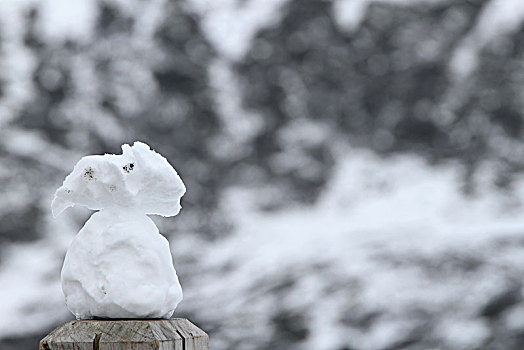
171,334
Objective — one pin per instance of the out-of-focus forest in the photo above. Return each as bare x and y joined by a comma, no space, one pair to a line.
353,167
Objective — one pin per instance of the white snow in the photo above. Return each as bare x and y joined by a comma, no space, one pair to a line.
497,19
18,62
231,25
366,245
64,19
348,14
139,179
240,125
30,289
118,265
464,334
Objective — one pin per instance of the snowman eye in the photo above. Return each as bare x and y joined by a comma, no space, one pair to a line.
128,167
89,174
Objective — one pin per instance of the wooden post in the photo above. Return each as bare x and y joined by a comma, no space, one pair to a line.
170,334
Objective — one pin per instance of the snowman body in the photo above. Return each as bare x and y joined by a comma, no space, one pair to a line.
119,265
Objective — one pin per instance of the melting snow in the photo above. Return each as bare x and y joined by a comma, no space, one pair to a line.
118,265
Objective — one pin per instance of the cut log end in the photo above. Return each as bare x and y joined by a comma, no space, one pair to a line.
173,334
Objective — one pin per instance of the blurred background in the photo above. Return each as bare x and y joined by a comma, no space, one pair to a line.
354,167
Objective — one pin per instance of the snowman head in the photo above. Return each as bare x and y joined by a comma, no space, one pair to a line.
139,179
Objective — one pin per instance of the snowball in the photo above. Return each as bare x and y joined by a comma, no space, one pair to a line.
140,178
119,266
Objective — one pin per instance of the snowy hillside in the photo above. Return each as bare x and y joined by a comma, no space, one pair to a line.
391,256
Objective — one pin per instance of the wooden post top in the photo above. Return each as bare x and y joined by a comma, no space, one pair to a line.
158,334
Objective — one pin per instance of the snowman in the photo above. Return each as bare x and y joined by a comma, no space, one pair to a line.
119,265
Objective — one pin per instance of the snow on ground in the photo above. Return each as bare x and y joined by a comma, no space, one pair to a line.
390,238
30,280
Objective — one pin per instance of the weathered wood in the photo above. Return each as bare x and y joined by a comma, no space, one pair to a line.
172,334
